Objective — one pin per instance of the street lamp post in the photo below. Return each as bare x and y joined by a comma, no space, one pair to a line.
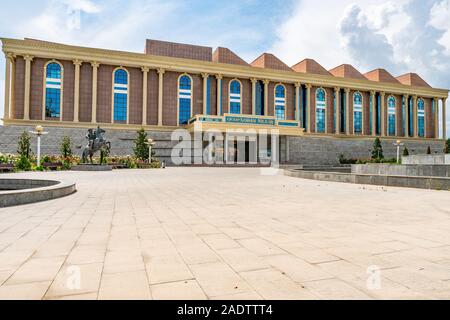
39,131
150,143
398,144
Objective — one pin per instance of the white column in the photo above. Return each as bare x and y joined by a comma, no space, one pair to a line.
297,102
266,97
253,81
436,118
415,126
444,119
160,95
347,111
383,114
374,113
26,101
95,66
337,94
219,94
205,77
145,71
308,108
9,62
76,95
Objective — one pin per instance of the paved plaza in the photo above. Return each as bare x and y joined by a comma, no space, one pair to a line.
225,233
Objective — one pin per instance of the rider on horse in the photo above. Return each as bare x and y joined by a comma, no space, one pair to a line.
96,142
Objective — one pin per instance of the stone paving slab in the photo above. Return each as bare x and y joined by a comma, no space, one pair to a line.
225,233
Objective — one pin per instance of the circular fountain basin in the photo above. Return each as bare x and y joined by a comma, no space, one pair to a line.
14,192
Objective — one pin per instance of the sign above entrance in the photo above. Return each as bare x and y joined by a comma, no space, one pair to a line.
248,120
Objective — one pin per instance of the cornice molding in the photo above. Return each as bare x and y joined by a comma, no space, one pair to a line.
50,50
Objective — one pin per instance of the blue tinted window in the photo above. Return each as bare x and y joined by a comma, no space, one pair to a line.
320,111
53,90
280,102
235,97
391,116
121,77
120,95
52,102
357,112
421,118
54,71
185,99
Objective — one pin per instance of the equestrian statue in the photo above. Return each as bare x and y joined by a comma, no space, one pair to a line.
96,143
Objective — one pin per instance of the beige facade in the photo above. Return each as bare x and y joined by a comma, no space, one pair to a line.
153,95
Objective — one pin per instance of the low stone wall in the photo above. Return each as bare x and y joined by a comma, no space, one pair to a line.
25,191
427,159
435,183
402,170
122,141
325,150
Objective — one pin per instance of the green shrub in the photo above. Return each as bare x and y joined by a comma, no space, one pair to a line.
377,151
24,145
66,147
344,160
429,150
140,145
405,152
447,146
23,164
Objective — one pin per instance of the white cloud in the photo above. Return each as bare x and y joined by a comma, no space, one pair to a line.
83,5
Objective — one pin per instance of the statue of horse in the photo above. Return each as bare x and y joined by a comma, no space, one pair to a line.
96,143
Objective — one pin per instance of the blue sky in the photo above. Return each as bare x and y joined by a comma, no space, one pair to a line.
400,36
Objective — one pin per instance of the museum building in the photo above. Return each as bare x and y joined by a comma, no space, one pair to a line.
318,113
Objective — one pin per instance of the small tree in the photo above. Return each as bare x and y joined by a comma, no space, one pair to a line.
447,146
405,152
377,151
140,145
429,150
65,148
24,145
24,151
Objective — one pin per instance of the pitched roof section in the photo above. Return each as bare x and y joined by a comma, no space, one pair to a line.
225,55
347,71
310,66
380,75
269,61
178,50
413,79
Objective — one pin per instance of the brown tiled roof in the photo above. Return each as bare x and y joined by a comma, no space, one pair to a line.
310,66
380,75
178,50
269,61
225,55
413,79
347,71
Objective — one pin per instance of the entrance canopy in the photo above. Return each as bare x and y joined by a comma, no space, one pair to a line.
245,122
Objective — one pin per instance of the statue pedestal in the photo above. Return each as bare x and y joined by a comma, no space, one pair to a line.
91,167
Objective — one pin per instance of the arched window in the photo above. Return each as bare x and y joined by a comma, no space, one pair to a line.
120,95
280,102
184,99
357,112
391,116
421,118
235,97
320,110
53,85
